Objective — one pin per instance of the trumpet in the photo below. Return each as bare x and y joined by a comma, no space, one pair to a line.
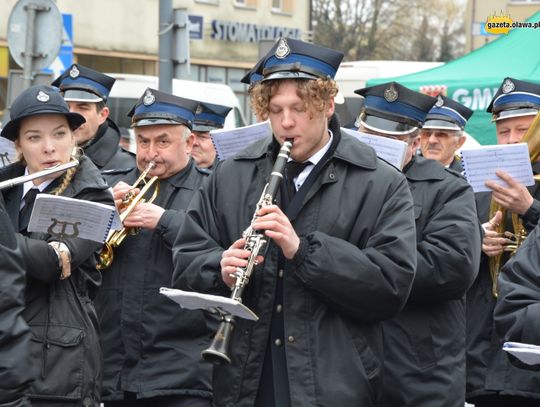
218,352
129,202
532,138
43,173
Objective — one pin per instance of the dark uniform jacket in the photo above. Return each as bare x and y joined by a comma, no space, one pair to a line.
488,367
16,370
425,344
151,346
60,313
354,268
104,150
518,309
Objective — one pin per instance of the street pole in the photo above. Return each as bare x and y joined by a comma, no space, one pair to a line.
28,68
165,34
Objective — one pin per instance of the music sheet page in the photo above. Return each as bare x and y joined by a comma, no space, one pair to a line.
69,217
390,150
481,163
229,142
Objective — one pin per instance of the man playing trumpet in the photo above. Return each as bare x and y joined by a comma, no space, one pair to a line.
491,379
150,345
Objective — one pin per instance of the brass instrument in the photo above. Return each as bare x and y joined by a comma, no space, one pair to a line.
218,352
39,174
129,202
519,234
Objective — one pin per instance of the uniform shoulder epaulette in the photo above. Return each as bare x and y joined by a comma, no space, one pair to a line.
123,150
204,171
113,171
454,172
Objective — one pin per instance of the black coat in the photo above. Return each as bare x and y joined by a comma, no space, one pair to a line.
517,312
424,356
60,313
151,346
488,367
104,150
354,268
16,370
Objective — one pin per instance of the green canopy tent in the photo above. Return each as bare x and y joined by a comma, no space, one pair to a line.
474,78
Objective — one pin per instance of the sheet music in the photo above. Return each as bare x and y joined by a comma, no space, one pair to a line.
388,149
527,353
229,142
8,153
480,164
86,219
212,303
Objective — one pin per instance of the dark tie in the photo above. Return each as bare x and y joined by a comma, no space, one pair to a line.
292,170
24,214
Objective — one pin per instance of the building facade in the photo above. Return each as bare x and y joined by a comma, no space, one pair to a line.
226,36
478,11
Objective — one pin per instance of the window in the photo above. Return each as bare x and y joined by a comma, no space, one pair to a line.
245,3
282,6
276,5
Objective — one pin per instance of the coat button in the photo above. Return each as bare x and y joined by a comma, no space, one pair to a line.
331,176
277,342
280,273
291,339
279,307
87,402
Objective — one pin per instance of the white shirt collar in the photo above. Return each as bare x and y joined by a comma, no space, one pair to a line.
314,160
27,186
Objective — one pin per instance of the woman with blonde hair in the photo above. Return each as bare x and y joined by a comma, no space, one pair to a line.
61,275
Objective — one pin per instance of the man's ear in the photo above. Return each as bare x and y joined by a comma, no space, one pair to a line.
103,114
461,141
331,108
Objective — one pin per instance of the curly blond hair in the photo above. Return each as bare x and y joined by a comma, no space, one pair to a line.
315,94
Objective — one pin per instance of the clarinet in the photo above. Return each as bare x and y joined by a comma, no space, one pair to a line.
218,352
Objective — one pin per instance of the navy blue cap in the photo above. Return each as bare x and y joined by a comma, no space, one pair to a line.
38,100
155,107
209,116
515,98
295,59
393,109
252,77
447,114
82,84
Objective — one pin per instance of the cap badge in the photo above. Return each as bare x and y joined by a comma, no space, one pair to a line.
148,98
199,109
282,49
439,101
42,97
74,72
508,86
391,94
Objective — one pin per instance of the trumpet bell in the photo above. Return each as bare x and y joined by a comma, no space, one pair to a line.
105,257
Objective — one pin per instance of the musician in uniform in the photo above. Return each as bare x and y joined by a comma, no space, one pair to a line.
16,370
60,270
150,345
491,379
516,311
208,117
340,256
442,132
424,359
86,91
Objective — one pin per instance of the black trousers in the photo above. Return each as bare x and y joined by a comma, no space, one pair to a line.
160,401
